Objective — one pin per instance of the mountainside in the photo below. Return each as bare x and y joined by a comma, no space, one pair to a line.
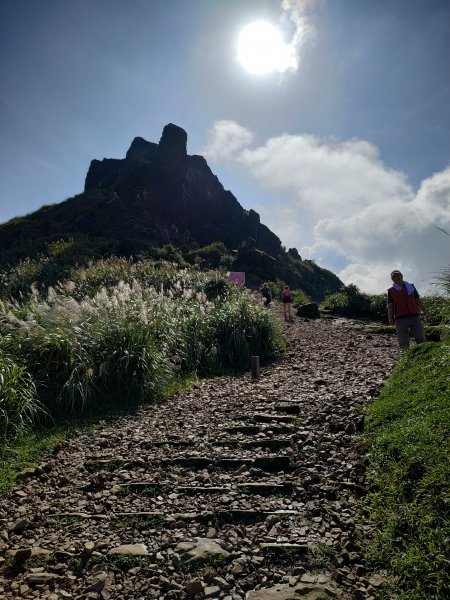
160,195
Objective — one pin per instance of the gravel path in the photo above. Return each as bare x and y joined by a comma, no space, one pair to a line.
232,489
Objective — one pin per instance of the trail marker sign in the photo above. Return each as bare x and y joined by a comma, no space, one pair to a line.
236,277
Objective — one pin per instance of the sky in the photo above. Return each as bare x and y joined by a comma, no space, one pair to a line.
343,147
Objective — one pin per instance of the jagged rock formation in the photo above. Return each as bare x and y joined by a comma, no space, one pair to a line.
174,192
158,195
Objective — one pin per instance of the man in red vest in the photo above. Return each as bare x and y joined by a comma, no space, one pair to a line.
404,309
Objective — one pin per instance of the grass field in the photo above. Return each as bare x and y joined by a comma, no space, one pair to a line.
408,426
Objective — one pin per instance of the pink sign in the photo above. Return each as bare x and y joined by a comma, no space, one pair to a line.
236,277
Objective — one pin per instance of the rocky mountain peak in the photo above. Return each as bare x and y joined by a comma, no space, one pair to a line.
173,141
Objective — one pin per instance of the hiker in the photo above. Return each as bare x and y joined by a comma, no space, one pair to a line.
265,292
404,308
286,298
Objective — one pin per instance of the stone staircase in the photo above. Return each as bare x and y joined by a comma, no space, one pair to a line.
233,489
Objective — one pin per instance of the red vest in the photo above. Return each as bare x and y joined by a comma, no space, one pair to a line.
403,304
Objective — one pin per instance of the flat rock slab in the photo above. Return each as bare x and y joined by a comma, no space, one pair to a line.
284,592
42,578
130,550
23,554
201,551
74,516
311,587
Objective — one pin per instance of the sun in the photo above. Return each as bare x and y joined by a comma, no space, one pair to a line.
261,49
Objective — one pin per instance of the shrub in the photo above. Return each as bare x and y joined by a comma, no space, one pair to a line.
213,256
350,302
299,298
438,308
47,269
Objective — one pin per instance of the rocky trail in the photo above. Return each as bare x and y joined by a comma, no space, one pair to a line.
232,489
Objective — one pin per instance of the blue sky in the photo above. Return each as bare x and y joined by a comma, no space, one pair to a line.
365,115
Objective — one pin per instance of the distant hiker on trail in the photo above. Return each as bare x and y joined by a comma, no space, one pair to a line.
404,308
286,297
266,294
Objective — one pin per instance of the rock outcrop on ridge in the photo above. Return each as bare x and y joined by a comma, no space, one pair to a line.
175,192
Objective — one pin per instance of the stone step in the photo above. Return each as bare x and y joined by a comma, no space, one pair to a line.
74,516
245,429
158,519
149,488
280,429
156,489
266,463
174,443
250,487
266,489
192,462
108,464
272,443
290,409
268,418
250,516
256,429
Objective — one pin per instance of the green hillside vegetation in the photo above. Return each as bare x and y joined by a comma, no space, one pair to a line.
351,302
45,246
408,426
122,333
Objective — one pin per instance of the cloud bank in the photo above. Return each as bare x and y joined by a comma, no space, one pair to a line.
341,205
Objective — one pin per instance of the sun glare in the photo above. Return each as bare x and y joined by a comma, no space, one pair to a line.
261,49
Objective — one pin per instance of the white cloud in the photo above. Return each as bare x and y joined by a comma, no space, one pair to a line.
339,197
226,139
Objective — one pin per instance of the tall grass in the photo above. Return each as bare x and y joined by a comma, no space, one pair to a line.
18,402
123,332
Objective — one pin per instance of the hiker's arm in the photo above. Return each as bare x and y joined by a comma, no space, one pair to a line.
390,308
